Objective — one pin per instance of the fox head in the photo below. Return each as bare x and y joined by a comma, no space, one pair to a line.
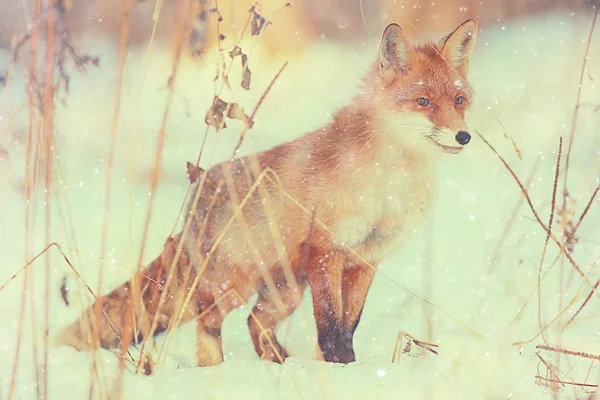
423,90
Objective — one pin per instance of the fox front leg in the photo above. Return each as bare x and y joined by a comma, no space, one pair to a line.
356,281
324,274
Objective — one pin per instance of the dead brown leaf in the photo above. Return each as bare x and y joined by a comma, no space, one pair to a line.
237,112
247,74
194,172
214,116
64,291
225,76
236,51
148,365
257,23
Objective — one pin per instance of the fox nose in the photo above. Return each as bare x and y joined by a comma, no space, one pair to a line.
463,138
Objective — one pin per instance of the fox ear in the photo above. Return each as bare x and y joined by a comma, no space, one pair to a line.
457,46
395,54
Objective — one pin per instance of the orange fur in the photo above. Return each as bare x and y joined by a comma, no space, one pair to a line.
367,176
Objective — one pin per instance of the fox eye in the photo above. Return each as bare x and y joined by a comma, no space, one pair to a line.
423,101
459,100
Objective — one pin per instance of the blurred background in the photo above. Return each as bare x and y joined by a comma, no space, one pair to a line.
308,20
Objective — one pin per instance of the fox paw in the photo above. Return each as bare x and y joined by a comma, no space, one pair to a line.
276,353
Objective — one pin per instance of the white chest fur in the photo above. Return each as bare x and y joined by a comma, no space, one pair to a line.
385,203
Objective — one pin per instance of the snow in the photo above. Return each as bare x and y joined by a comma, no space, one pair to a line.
528,83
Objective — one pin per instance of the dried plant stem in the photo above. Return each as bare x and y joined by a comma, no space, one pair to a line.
569,352
48,126
504,235
135,295
578,104
243,134
536,215
551,219
260,100
562,311
124,37
15,366
113,134
220,50
566,383
585,302
586,209
427,275
226,72
136,128
34,324
175,260
29,183
244,131
28,264
568,237
551,368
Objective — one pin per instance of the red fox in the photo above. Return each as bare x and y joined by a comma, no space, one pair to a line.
336,203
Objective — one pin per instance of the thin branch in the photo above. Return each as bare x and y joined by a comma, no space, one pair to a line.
536,215
566,383
577,104
262,97
586,209
552,207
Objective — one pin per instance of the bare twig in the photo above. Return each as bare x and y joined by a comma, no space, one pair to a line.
550,367
41,253
585,302
539,275
496,257
577,104
124,37
48,131
586,209
260,100
30,182
135,295
536,215
591,385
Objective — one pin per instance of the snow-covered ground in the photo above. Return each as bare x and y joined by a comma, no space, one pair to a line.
525,71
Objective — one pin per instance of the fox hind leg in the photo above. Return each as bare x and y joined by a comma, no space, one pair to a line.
209,346
214,305
266,316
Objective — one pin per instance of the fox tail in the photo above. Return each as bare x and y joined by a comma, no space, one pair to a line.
126,316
